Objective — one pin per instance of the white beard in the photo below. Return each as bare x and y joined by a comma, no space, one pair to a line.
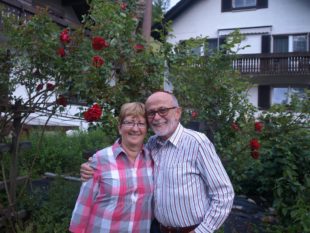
164,131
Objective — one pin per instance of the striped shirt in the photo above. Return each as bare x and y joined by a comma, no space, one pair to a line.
118,199
191,184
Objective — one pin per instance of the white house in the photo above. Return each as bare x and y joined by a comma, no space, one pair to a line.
278,32
64,13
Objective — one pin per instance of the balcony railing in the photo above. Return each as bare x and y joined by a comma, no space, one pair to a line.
273,64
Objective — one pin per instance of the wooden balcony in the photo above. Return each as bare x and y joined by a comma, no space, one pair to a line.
274,64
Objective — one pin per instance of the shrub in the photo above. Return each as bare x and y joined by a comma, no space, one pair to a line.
51,211
62,153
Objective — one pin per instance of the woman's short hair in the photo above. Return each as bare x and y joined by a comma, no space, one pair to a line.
131,109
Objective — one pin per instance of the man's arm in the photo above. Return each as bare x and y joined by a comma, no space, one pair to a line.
86,171
219,186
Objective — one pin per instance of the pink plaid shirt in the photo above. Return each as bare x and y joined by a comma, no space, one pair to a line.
119,197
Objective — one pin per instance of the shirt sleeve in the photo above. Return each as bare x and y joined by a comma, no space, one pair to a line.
219,188
83,206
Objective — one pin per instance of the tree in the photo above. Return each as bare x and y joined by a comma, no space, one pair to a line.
100,62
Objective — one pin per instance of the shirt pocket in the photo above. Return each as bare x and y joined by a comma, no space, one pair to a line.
175,173
110,183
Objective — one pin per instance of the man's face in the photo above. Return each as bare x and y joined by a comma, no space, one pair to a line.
162,115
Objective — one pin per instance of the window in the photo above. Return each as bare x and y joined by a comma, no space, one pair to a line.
300,43
230,5
212,46
290,43
283,95
197,51
280,44
243,3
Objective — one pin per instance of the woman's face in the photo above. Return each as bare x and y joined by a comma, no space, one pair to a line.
133,130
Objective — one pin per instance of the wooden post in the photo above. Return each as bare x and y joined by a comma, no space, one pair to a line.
147,20
17,126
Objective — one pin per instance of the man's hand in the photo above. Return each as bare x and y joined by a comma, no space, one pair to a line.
86,172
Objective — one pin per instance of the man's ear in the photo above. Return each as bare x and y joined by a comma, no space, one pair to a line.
178,113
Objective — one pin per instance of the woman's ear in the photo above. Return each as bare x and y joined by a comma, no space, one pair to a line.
119,129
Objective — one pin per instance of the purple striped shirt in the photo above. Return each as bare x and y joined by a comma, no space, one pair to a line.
191,184
118,199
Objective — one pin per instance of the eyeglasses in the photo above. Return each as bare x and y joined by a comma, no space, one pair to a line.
131,124
161,112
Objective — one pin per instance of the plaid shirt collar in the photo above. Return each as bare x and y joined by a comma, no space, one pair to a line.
118,149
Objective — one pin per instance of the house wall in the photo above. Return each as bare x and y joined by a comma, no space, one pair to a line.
64,118
205,18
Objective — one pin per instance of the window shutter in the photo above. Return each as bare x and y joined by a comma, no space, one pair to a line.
262,3
309,42
222,40
226,5
266,43
264,97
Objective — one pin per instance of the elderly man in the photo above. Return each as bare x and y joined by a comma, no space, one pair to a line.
192,193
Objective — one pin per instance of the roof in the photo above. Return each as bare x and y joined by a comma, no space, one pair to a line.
173,13
177,9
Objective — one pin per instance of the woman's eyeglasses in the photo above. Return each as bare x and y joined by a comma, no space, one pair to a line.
130,124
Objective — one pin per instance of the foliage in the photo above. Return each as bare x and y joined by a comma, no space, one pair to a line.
207,85
51,209
267,157
279,177
283,177
53,65
62,153
158,10
51,62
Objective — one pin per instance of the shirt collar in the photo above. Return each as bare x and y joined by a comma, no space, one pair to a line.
174,138
118,150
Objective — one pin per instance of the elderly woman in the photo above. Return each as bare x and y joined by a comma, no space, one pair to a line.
118,198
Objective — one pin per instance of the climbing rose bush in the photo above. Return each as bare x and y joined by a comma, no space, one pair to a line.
258,126
97,61
64,36
93,113
98,43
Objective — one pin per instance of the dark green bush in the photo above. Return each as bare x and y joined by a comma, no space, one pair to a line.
51,211
59,152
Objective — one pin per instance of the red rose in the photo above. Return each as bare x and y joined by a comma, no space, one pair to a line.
97,61
64,36
61,52
50,86
39,87
123,6
138,48
61,100
99,43
254,144
93,113
258,126
255,154
234,126
194,114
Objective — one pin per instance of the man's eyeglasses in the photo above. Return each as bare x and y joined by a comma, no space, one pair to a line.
161,112
130,124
